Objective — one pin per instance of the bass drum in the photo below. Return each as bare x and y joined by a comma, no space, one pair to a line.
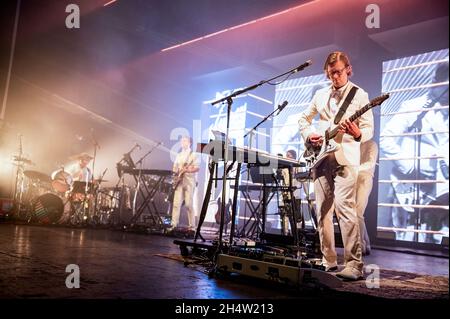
47,209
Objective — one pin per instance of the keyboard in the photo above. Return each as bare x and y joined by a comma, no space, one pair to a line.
215,149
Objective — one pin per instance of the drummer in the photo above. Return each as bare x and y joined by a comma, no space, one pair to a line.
80,170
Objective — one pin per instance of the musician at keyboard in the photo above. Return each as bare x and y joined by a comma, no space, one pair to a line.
335,178
185,169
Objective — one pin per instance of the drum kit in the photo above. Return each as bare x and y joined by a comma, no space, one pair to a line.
70,196
58,198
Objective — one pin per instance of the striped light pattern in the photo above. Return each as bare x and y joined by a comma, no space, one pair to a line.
406,79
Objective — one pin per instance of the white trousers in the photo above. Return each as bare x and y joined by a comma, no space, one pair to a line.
335,189
184,191
363,189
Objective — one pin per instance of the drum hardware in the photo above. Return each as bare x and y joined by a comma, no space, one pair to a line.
96,218
30,199
107,204
79,187
99,181
79,212
23,160
81,200
20,179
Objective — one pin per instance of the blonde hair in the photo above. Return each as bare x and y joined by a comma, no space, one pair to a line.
335,56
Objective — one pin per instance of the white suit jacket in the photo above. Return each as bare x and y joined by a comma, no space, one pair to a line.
349,150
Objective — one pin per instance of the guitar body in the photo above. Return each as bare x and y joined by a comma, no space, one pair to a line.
316,156
178,177
227,215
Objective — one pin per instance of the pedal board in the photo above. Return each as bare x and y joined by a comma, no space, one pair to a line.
288,272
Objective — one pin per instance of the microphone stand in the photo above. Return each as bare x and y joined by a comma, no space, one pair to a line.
141,177
89,188
148,153
96,146
229,100
96,191
250,134
128,161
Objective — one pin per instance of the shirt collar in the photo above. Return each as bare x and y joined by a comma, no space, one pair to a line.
342,89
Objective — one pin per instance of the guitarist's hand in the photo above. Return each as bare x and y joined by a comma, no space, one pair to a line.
315,139
350,128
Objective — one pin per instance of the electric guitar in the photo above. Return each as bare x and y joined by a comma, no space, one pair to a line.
178,177
315,155
227,215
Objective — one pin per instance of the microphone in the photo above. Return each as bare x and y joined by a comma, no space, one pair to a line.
282,106
302,66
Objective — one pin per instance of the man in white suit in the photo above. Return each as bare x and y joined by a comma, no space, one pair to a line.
335,179
186,166
366,172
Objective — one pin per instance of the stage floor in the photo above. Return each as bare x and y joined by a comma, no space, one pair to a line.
115,264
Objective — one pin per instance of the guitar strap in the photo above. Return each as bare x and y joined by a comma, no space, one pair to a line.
188,162
344,106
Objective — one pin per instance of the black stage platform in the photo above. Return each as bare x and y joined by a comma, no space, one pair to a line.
116,264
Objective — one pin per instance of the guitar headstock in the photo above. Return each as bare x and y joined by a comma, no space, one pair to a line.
379,99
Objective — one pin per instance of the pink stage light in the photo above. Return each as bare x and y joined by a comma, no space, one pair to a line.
109,2
238,26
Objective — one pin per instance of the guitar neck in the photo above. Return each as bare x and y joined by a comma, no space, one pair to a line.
332,134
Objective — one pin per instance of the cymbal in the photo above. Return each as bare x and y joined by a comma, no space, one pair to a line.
38,175
23,159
